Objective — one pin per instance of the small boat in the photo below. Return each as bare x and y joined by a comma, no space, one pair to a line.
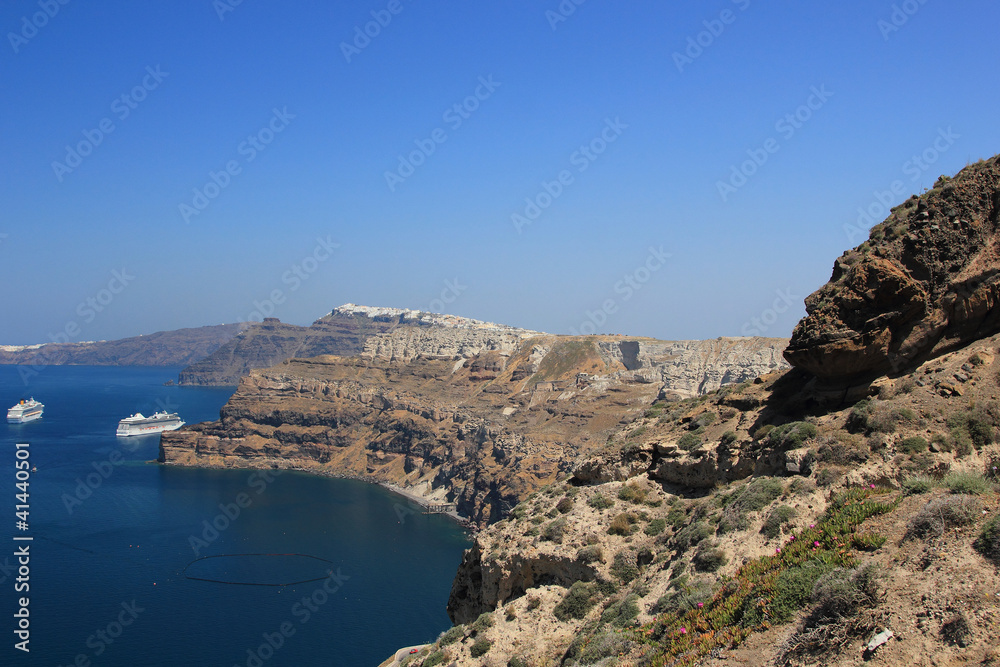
138,424
25,411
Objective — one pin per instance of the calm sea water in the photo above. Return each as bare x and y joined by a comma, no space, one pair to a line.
113,534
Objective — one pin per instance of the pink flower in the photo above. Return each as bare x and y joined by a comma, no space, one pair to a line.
873,486
791,539
778,550
812,525
700,605
815,544
683,631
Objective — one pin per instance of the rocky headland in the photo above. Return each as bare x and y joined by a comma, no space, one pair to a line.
163,348
477,416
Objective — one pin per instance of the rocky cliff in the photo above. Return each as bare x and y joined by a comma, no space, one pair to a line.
478,417
343,332
927,281
761,524
164,348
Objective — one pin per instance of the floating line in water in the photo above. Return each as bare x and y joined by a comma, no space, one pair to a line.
253,583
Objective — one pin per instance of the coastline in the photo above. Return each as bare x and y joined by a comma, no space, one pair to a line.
422,502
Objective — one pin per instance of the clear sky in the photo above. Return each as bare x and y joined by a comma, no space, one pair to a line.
227,159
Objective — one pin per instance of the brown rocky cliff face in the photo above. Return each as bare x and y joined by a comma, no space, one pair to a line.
482,432
925,282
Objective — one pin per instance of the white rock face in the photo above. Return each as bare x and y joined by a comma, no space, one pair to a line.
436,319
446,343
695,367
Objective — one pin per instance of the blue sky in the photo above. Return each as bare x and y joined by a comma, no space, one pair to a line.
639,238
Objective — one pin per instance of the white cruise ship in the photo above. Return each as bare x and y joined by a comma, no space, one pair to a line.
137,424
25,411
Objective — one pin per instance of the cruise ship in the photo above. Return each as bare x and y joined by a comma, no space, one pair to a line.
25,411
137,424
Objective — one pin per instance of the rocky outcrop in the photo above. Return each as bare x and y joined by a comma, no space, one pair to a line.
347,331
163,348
927,281
481,431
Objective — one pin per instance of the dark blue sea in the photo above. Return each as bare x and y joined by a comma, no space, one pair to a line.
111,579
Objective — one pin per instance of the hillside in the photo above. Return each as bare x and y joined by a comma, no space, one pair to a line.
163,348
845,512
476,416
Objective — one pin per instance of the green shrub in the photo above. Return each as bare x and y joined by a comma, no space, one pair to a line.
621,613
653,411
554,531
691,535
591,554
829,476
912,445
578,601
564,505
969,483
977,427
484,622
480,648
655,527
623,524
754,497
918,484
728,438
683,597
943,513
988,542
776,519
794,586
676,517
517,661
452,635
534,603
593,650
599,502
434,659
843,449
705,419
633,493
710,559
791,435
688,442
763,431
624,566
843,592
